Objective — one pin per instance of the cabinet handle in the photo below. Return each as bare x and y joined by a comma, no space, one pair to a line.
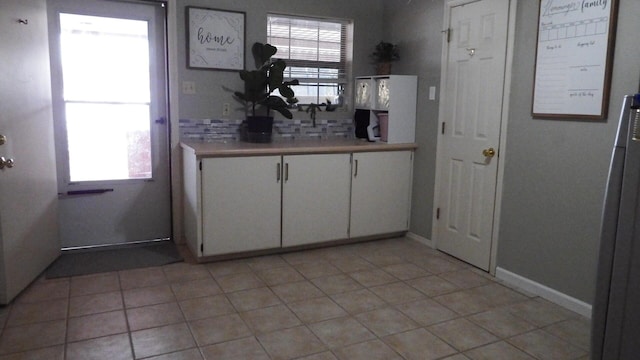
278,173
286,172
355,173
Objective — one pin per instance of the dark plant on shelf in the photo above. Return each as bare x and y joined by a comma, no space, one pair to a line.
383,55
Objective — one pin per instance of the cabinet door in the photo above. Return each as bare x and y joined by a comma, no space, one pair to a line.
380,194
315,198
240,204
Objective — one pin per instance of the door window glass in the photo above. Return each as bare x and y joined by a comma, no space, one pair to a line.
106,82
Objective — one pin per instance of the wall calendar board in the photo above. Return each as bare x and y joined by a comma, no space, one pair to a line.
573,58
215,39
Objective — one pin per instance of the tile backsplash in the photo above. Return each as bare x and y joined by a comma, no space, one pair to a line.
224,129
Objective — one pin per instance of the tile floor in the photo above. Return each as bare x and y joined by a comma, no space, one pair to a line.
388,299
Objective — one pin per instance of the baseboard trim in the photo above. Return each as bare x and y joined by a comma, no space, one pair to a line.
420,239
545,292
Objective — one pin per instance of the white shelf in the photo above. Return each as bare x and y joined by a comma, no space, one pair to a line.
395,95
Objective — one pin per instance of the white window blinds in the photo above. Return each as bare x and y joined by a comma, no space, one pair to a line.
315,52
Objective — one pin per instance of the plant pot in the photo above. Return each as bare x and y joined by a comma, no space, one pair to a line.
383,68
259,129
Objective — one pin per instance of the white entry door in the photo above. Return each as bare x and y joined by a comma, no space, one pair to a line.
472,113
109,96
28,192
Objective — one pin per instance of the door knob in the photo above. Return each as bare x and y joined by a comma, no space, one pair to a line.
5,162
490,152
3,139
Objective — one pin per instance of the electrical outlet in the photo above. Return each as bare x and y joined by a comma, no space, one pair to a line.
188,87
226,109
432,92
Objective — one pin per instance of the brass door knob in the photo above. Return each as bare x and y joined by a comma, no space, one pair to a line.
3,139
490,152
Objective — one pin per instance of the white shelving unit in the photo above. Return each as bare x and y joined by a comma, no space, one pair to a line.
395,95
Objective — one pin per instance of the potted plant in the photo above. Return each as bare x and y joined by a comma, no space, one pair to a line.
259,86
383,55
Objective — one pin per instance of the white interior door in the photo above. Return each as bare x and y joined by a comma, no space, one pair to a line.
109,91
472,114
28,192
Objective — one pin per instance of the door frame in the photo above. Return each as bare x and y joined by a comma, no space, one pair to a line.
161,141
511,22
174,44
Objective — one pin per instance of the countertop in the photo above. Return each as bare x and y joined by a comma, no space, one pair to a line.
288,147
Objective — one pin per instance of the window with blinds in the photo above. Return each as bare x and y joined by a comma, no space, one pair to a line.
315,52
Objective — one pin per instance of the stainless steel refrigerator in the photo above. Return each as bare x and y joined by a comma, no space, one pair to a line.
615,330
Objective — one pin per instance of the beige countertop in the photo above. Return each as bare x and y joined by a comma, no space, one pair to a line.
288,147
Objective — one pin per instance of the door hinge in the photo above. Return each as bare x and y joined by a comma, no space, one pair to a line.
448,33
202,248
443,127
438,214
200,165
161,121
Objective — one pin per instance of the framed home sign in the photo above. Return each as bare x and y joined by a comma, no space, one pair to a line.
215,39
574,59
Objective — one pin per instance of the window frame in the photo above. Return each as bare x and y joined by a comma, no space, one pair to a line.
341,81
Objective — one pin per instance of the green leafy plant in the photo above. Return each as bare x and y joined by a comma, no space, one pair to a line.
260,84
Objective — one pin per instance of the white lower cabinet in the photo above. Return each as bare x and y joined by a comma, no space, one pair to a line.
240,204
315,198
381,192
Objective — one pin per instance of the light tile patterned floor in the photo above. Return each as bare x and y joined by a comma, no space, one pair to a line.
388,299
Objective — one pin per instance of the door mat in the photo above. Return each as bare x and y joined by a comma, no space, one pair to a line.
84,262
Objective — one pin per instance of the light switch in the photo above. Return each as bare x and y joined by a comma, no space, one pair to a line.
432,92
188,87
